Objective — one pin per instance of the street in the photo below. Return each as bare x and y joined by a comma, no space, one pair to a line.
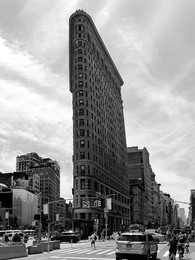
104,251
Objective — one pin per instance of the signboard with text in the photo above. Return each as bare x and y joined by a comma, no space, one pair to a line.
108,203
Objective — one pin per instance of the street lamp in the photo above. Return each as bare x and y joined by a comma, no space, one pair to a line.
46,212
40,225
108,207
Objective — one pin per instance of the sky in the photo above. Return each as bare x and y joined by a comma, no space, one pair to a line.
152,43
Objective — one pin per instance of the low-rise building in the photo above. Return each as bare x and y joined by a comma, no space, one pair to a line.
18,206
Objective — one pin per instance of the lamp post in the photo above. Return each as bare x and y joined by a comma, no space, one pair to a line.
108,207
40,224
46,212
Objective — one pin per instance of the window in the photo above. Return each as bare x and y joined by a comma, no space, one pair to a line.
80,27
81,122
82,169
82,184
82,132
88,184
79,51
80,93
80,83
81,112
80,75
82,143
81,102
80,67
82,155
80,59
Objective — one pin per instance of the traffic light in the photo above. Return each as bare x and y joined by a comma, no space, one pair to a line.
102,222
99,203
96,221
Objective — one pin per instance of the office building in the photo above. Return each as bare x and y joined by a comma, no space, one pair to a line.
48,184
99,141
140,174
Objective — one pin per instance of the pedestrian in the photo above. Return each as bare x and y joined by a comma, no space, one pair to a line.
173,247
16,238
93,239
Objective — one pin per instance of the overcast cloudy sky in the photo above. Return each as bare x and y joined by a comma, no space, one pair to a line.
153,46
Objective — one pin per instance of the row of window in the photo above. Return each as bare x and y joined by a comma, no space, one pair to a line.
108,116
104,177
102,65
96,71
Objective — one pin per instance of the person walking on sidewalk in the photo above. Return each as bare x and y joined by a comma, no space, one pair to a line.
93,239
173,248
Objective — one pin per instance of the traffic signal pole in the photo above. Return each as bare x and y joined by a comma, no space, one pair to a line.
108,206
46,207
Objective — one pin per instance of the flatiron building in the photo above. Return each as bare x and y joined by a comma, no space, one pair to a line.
99,140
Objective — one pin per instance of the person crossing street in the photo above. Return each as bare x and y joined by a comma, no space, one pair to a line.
93,238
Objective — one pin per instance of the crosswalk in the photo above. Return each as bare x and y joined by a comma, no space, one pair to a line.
97,252
87,251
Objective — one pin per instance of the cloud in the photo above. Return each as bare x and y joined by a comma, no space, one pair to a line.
151,44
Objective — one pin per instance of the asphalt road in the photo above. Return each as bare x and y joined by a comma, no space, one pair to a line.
104,251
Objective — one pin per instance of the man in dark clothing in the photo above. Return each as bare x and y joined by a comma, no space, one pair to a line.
173,248
16,238
181,244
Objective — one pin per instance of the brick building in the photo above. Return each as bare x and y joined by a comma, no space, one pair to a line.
140,174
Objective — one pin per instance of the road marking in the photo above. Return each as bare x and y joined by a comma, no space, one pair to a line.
104,252
166,254
84,258
70,251
113,252
56,256
88,251
93,252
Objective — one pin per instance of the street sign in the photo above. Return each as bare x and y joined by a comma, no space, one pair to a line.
86,203
7,214
109,203
45,209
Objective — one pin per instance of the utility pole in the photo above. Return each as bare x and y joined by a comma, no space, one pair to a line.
108,206
46,212
40,224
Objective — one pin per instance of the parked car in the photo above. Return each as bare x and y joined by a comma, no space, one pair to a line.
67,236
133,245
157,236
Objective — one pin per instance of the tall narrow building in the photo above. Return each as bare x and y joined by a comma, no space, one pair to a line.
99,140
